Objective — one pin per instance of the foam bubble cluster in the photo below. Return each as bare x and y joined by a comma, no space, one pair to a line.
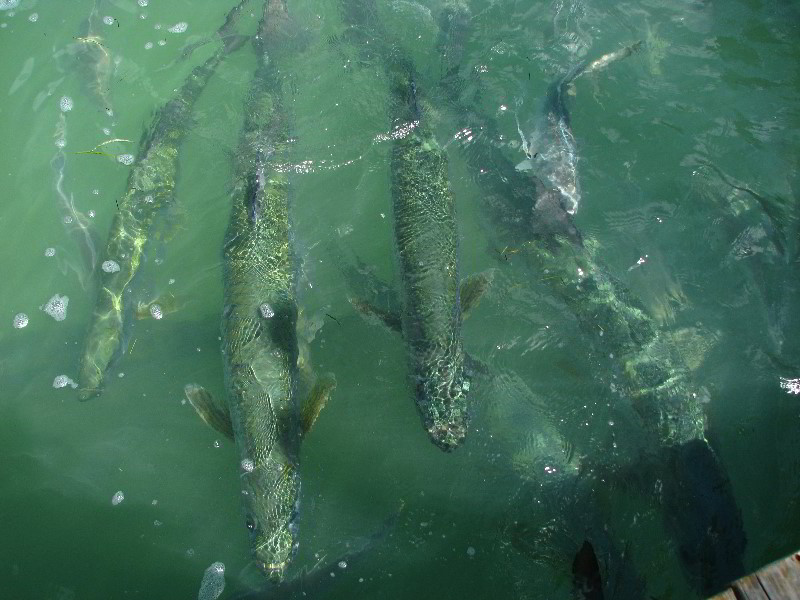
117,498
213,583
148,45
266,311
143,3
62,381
61,142
792,386
156,312
125,159
248,465
65,104
56,307
179,27
8,4
49,252
110,266
108,20
20,320
33,17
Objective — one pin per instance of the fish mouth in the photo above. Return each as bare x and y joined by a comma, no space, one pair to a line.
87,393
447,437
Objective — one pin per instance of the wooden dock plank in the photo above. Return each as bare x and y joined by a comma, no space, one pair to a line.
781,580
748,588
777,581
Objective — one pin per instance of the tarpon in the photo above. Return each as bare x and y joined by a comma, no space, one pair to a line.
550,147
428,309
151,188
534,217
266,370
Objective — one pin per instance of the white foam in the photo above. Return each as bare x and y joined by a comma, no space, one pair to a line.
156,312
266,311
179,27
213,583
108,20
63,381
20,320
110,266
65,104
56,307
248,465
125,159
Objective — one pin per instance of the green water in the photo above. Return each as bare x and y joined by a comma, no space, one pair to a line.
689,155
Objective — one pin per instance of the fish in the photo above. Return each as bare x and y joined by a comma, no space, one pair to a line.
271,399
550,148
427,308
150,190
650,371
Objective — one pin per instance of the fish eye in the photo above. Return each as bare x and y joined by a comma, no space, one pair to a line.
251,526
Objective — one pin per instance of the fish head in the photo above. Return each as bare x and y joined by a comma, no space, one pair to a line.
442,402
271,508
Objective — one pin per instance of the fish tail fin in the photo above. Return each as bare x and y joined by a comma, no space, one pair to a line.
316,401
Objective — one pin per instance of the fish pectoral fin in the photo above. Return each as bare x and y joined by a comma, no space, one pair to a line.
472,290
389,317
204,405
316,401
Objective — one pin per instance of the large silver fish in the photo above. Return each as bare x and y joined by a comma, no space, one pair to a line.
151,188
266,370
550,147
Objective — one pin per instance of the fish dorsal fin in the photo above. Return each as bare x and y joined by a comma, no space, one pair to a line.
209,411
472,290
388,317
316,401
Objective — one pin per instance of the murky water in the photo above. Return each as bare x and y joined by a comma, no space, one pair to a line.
687,164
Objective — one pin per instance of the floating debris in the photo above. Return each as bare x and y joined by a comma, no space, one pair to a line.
179,27
63,381
117,498
20,320
213,583
110,266
49,252
56,307
65,104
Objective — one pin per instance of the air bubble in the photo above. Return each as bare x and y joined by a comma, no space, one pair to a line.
33,17
266,311
156,312
470,551
125,159
110,266
108,20
91,214
50,252
8,4
148,45
142,3
67,220
342,564
162,42
61,142
117,498
179,27
213,583
56,307
248,465
20,321
65,104
63,381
